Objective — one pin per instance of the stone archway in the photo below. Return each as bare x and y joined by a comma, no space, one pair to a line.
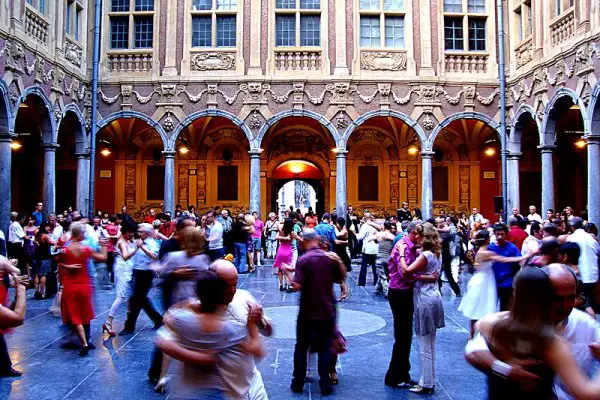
308,181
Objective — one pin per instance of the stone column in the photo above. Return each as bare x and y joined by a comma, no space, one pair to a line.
514,198
426,185
5,182
593,200
341,64
341,196
49,177
83,182
547,178
255,180
255,35
169,200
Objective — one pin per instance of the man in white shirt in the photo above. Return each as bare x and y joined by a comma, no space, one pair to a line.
588,261
581,330
533,215
14,246
475,217
214,237
369,250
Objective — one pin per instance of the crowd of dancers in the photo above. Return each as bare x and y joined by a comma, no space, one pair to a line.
531,299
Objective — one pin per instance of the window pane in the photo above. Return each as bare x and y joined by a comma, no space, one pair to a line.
155,182
310,4
557,10
119,32
476,6
142,32
226,4
199,5
476,34
370,33
201,31
285,30
119,5
394,32
226,31
144,5
369,4
439,180
453,5
393,5
453,33
368,183
42,6
520,19
310,30
30,1
227,182
77,16
285,4
68,18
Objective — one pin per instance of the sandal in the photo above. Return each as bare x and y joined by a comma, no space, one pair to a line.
333,377
106,327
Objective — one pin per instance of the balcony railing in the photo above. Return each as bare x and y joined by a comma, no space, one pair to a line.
297,60
130,61
470,63
36,26
563,28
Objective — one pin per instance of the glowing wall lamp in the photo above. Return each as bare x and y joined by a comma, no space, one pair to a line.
105,152
15,145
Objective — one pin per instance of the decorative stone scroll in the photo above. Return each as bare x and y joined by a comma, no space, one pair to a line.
73,53
394,185
183,184
464,183
383,61
201,185
412,183
213,61
130,183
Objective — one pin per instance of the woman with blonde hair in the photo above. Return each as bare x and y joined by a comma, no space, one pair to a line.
428,311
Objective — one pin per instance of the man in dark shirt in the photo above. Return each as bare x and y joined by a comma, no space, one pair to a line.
404,213
125,217
316,273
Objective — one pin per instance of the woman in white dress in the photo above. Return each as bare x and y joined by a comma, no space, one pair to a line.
123,270
481,298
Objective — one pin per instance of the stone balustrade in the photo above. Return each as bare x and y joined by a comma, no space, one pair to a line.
301,60
135,61
470,63
36,26
563,28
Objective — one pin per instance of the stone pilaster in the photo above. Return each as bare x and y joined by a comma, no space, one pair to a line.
426,68
5,182
512,176
426,185
593,200
341,196
341,64
170,68
49,176
547,178
255,35
169,200
83,182
255,180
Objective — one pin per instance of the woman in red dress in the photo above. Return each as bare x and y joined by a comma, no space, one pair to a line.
76,303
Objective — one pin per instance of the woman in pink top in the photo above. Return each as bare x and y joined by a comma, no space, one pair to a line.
257,235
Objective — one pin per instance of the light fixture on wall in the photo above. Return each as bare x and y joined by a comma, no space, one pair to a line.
580,144
105,152
15,145
184,150
575,107
490,151
23,105
412,150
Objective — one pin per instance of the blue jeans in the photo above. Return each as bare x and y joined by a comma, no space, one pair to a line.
239,260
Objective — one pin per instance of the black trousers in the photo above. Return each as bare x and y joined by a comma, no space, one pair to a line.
142,283
401,303
505,297
367,259
316,335
15,250
447,268
5,363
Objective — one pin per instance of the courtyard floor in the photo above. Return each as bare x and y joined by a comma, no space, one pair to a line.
52,369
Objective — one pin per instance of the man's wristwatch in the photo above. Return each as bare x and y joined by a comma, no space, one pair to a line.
501,368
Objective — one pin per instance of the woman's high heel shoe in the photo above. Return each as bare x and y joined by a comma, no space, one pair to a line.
421,390
161,385
333,377
84,351
106,327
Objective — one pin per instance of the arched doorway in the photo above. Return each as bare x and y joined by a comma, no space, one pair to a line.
466,167
307,145
526,137
69,139
32,128
570,155
130,167
298,183
212,165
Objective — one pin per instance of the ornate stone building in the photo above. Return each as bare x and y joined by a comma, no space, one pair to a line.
201,102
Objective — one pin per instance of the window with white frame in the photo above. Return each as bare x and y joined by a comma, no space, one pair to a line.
40,5
131,24
382,23
465,25
214,23
298,23
560,6
73,13
524,19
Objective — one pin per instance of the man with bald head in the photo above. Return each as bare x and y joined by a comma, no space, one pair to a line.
580,330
